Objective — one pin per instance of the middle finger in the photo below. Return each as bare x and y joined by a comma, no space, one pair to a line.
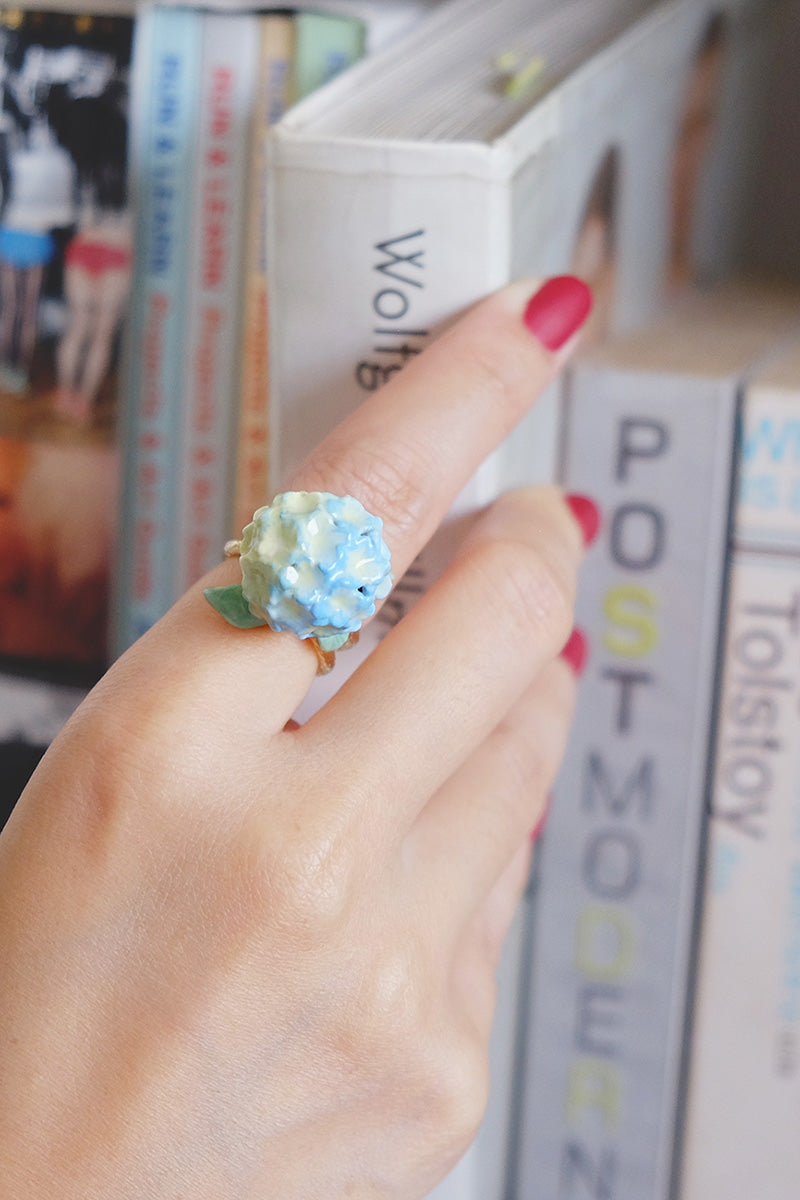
445,677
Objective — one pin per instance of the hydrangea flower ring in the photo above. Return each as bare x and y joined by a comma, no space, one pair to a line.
313,564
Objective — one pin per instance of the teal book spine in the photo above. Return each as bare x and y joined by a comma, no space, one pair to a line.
326,45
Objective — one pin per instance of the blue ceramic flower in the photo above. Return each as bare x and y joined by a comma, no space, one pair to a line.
313,564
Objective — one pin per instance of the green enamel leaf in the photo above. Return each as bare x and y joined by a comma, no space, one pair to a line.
231,604
334,641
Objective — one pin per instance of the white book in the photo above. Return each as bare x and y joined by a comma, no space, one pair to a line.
467,155
650,436
743,1109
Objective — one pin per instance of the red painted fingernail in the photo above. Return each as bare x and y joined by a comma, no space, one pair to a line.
576,651
558,310
587,514
536,832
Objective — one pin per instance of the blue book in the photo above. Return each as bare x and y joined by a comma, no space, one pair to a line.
164,114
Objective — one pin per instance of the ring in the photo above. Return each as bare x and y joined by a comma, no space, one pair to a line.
313,564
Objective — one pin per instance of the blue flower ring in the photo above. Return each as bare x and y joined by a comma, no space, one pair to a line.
313,564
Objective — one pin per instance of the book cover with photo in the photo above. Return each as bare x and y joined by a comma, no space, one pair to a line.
65,265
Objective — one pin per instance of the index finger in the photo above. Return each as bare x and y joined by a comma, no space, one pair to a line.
405,454
408,450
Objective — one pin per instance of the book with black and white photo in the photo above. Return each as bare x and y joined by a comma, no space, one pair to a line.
65,265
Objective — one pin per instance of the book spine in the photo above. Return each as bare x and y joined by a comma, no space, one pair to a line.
740,1132
208,400
618,865
385,269
162,143
275,83
327,43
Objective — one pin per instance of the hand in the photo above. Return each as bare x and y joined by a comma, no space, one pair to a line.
242,959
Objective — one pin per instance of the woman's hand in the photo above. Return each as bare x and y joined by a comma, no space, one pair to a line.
241,959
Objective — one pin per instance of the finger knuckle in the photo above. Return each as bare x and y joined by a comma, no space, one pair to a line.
304,881
386,479
396,996
527,761
499,375
457,1090
533,592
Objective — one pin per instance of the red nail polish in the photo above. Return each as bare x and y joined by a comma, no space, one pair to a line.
576,651
558,310
587,514
536,832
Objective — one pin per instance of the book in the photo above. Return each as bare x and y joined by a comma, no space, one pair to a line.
64,280
428,179
743,1101
275,88
164,121
325,45
650,435
208,400
384,20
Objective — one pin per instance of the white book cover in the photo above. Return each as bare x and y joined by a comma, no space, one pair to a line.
209,398
742,1118
650,436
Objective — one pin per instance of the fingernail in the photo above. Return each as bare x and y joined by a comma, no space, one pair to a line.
576,651
536,832
558,310
587,514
